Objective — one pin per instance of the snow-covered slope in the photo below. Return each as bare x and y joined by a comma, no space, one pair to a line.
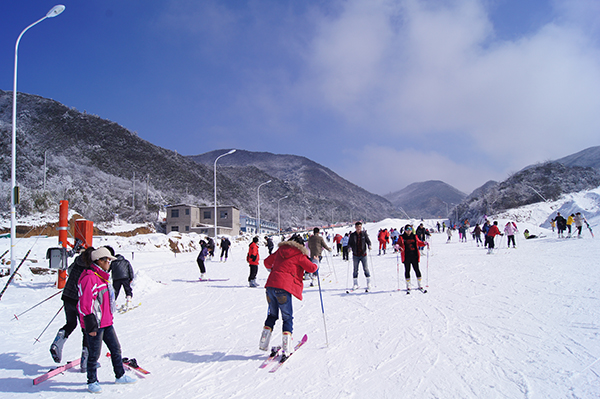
521,323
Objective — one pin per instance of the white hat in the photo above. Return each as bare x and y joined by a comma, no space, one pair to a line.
100,253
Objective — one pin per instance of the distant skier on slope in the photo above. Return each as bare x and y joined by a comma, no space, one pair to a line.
225,244
288,265
561,224
510,229
201,258
578,220
409,245
316,243
491,234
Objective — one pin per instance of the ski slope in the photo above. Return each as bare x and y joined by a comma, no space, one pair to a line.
520,323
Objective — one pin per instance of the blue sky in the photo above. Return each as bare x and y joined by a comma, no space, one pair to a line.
383,92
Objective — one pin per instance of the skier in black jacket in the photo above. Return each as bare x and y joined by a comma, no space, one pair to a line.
122,275
358,242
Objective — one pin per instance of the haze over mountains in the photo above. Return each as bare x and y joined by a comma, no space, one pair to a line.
107,171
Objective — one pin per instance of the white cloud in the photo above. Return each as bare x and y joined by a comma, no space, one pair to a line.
406,69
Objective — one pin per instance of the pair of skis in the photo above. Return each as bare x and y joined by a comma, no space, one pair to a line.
423,290
277,356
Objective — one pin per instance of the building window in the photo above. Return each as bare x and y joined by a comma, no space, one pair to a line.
206,214
224,214
174,228
187,228
187,212
175,214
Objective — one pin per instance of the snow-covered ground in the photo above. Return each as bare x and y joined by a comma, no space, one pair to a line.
521,323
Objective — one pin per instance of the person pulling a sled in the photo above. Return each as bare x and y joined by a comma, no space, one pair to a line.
287,265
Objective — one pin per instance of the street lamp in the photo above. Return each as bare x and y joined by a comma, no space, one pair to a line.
258,198
56,10
215,170
278,219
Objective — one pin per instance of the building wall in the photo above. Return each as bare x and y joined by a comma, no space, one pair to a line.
189,218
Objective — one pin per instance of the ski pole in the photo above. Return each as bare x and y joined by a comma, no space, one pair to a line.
348,276
331,266
427,277
5,252
322,309
14,274
35,306
398,270
372,269
38,338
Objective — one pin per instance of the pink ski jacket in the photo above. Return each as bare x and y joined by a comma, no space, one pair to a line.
95,299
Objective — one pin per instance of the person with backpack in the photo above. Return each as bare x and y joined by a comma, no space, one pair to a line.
96,307
122,275
287,265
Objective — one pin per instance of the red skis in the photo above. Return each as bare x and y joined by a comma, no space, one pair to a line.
55,371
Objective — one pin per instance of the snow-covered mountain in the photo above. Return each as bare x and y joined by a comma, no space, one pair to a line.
542,182
105,170
427,199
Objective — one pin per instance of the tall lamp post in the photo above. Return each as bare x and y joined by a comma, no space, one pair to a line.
278,218
258,198
56,10
215,170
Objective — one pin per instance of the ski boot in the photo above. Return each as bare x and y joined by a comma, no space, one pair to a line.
355,286
369,284
128,302
265,338
287,344
57,346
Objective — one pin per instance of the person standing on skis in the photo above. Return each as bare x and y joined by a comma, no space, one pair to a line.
492,232
253,258
316,243
510,229
359,242
287,265
409,245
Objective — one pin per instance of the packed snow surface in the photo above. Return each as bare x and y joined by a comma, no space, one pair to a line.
519,323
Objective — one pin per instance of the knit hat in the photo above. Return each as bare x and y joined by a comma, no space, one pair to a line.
102,253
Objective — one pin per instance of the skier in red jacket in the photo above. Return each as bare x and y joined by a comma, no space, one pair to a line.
489,236
287,266
252,259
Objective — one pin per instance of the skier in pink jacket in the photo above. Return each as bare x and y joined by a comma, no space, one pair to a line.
96,306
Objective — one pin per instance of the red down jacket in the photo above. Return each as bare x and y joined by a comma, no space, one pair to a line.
288,265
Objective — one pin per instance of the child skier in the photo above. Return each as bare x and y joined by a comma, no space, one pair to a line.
288,265
96,306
